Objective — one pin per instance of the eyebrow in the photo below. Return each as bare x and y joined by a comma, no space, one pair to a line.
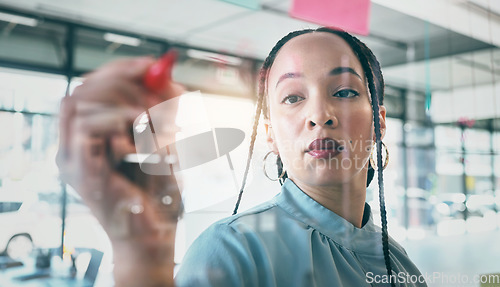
334,72
340,70
288,76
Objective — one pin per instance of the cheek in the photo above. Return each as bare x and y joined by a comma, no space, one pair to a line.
286,133
357,124
286,126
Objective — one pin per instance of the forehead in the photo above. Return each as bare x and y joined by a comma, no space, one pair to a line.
314,53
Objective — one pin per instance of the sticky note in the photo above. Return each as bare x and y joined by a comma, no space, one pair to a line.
352,16
250,4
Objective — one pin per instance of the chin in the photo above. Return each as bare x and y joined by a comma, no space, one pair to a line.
330,177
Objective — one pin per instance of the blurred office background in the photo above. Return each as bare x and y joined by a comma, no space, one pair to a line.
441,64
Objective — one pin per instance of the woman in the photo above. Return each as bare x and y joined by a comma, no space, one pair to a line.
321,94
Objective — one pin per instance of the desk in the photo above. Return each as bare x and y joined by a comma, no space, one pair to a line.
61,270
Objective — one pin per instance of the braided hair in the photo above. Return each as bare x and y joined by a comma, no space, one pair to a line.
373,74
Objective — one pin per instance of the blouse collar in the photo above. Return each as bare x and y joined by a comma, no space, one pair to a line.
366,239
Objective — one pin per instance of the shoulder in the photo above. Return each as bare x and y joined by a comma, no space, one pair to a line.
262,210
235,226
218,257
397,248
223,255
405,264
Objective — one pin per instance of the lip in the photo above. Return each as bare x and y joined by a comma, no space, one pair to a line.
324,148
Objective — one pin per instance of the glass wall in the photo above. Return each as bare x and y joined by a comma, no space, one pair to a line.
442,179
41,44
94,48
443,176
34,204
28,174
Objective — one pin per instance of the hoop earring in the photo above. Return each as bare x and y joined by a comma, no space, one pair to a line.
386,162
265,172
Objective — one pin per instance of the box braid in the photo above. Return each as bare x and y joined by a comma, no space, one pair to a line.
261,103
373,73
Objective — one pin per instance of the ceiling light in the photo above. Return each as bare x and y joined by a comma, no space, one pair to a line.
18,19
120,39
214,57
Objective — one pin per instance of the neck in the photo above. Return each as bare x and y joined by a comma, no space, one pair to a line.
346,200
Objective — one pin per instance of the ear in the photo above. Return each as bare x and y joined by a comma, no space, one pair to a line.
382,112
271,143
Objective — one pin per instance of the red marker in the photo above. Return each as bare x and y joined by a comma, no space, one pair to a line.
160,73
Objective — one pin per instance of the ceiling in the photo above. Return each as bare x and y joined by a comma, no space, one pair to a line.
419,48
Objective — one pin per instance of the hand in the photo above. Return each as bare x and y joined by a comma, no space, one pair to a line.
95,124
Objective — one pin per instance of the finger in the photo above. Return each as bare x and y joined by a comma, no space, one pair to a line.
121,145
128,68
116,82
127,211
110,89
88,120
71,106
112,196
65,114
85,140
87,165
103,120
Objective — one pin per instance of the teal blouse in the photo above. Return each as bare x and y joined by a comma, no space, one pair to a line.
292,240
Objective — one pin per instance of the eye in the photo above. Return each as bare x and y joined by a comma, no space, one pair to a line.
291,99
346,94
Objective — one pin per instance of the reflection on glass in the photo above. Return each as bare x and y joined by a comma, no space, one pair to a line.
29,180
30,92
394,133
477,140
478,165
418,135
448,137
32,45
496,142
29,187
93,50
449,163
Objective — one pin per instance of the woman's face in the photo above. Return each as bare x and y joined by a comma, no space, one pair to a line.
320,116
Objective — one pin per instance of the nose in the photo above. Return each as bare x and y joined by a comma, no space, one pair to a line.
322,114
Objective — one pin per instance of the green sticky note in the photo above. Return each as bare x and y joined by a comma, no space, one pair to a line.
250,4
